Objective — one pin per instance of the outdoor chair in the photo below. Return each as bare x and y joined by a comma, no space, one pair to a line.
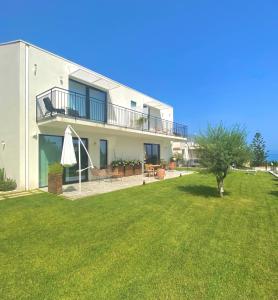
149,169
50,108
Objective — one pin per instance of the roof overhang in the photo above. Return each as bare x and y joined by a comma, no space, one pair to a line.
157,104
94,79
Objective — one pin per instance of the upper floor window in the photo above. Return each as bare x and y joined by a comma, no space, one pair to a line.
133,104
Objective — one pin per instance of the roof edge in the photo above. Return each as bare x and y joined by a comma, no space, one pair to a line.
67,60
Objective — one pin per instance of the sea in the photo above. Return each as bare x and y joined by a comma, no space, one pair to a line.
272,155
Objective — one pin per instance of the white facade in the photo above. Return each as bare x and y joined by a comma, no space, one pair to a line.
27,71
188,150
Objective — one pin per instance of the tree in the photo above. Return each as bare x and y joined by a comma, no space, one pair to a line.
221,147
259,154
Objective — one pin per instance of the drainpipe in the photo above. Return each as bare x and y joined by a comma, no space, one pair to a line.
26,117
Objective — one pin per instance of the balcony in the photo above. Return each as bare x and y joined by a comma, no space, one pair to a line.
61,102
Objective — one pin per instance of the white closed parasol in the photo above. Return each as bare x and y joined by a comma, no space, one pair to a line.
68,158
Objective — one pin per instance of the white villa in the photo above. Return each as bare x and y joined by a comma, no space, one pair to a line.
41,93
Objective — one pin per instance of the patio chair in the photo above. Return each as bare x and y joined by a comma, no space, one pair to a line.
50,108
149,169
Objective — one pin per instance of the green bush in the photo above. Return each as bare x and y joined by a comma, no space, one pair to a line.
2,174
8,185
55,168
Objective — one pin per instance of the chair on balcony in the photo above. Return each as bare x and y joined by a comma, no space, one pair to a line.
50,108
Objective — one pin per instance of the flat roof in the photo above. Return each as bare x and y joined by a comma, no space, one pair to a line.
153,102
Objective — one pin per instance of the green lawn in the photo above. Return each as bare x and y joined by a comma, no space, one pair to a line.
168,240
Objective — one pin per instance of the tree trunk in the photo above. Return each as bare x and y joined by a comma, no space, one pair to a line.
220,186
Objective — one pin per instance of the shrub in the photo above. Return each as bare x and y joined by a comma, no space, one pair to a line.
2,174
8,185
55,168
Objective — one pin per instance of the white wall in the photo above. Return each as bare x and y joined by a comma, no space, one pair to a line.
12,90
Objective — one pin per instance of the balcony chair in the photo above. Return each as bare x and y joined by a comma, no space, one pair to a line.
50,108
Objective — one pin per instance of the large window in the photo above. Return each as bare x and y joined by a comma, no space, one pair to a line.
103,154
97,105
152,153
77,99
50,151
86,102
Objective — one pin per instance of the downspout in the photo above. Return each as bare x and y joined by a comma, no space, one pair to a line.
26,117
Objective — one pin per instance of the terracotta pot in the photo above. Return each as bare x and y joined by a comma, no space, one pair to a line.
160,174
172,165
55,183
129,171
138,170
120,171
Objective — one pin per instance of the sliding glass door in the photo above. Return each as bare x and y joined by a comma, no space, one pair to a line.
70,174
50,151
97,105
152,153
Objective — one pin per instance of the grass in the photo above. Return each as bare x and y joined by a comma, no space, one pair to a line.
169,240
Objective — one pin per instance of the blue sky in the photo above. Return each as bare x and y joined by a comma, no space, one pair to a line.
212,60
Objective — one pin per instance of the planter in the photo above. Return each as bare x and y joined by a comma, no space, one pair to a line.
120,171
138,170
172,165
55,183
129,171
160,174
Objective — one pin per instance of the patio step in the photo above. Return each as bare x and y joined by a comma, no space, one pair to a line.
16,194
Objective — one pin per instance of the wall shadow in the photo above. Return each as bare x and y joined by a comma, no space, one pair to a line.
201,190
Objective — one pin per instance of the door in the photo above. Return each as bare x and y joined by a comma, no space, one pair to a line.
97,105
152,153
77,99
50,151
70,174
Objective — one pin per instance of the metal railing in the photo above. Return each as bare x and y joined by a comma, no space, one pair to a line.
75,105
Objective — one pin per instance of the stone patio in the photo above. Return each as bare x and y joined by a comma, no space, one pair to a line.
107,185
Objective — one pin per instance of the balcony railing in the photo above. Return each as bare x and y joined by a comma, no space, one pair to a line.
78,106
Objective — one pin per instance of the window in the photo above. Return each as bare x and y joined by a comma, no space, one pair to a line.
97,105
152,153
133,104
50,150
103,154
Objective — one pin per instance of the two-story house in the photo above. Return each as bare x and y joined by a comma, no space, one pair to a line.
41,93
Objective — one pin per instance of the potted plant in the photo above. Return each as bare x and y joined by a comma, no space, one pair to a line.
160,174
172,164
55,178
119,167
129,168
137,167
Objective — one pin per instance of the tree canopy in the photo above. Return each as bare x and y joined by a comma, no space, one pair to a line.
259,154
221,147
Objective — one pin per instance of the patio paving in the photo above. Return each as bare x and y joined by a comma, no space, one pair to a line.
106,185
